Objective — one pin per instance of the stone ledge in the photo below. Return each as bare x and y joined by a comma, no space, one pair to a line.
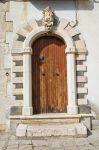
51,116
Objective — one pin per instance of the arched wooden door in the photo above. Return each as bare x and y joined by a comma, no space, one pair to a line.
49,75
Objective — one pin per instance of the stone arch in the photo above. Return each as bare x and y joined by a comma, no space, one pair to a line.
67,30
41,31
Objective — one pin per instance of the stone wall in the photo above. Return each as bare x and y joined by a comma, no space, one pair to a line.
6,98
15,13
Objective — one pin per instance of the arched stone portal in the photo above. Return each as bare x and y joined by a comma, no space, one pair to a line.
71,72
75,52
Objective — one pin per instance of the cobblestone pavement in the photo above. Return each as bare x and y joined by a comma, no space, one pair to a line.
8,141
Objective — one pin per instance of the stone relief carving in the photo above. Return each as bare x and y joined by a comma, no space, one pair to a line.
48,19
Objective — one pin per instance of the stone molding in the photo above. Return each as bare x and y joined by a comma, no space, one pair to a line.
27,50
70,50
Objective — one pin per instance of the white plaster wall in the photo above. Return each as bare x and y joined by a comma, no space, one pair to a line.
88,18
20,12
63,8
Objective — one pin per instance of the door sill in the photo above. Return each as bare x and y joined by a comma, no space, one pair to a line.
50,116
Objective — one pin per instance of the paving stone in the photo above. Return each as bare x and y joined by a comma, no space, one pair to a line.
55,144
2,143
12,147
71,148
81,141
13,137
57,148
13,142
41,148
67,143
94,142
81,130
66,139
25,147
97,147
39,143
86,147
26,142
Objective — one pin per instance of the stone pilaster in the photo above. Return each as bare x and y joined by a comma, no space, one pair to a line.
71,80
27,85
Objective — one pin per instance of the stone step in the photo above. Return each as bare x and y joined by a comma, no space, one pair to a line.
30,131
50,121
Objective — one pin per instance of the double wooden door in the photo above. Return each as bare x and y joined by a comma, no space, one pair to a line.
49,75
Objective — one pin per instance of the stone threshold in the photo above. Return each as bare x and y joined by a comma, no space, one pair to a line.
51,116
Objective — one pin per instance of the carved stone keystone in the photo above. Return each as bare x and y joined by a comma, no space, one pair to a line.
48,19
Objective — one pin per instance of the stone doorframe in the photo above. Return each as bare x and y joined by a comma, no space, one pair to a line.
71,71
75,46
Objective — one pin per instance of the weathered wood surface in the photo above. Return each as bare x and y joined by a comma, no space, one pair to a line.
49,76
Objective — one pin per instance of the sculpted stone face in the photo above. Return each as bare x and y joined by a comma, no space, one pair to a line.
48,19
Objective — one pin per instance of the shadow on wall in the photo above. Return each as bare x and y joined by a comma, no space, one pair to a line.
70,4
79,4
95,109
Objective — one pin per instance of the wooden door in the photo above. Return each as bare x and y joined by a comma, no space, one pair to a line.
49,75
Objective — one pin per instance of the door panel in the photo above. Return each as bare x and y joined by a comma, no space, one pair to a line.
49,75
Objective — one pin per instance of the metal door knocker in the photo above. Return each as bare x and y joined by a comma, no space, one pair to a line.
41,60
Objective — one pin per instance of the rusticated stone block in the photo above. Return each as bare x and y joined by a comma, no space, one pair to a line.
16,110
73,32
84,109
33,23
63,23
